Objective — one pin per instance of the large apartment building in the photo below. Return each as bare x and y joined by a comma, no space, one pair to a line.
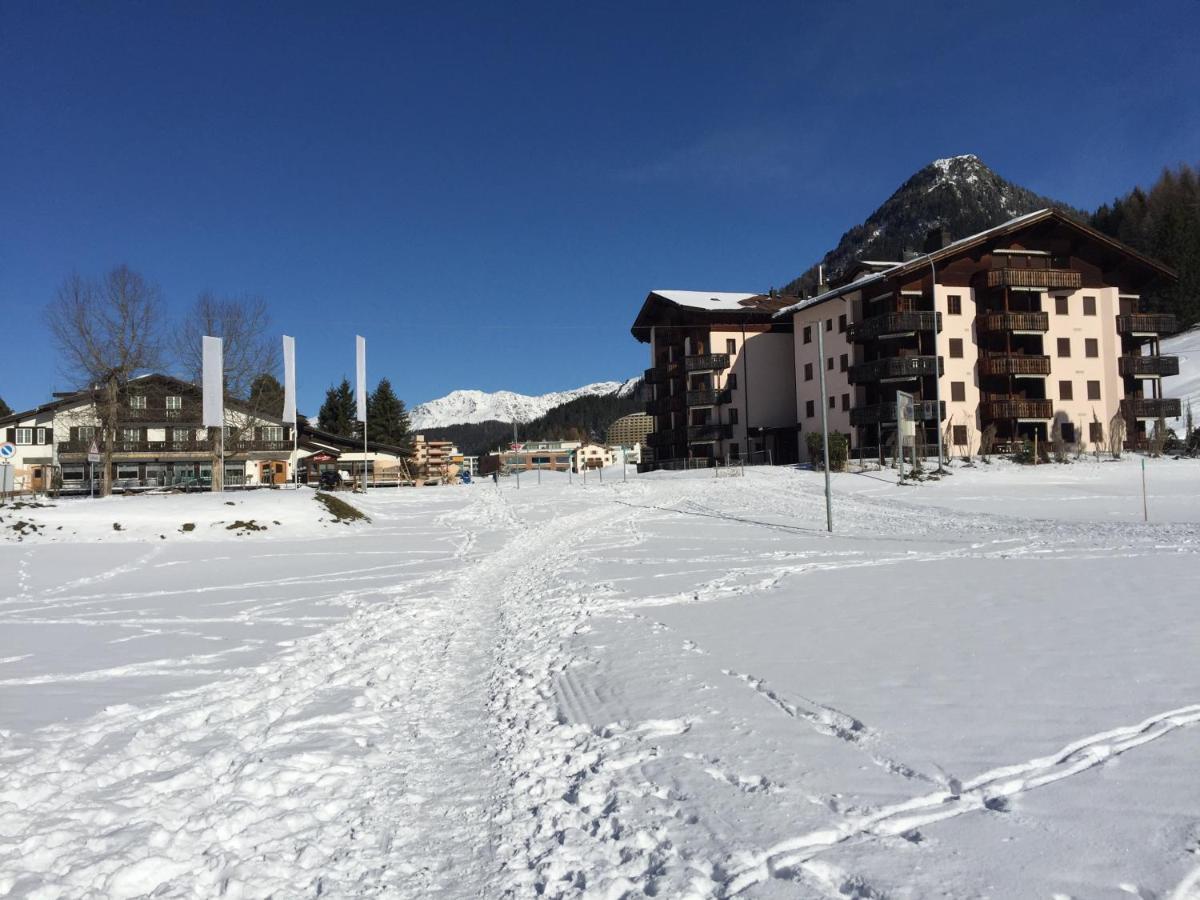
1035,327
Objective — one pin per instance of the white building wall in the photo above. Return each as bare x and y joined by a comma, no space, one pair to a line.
825,316
965,370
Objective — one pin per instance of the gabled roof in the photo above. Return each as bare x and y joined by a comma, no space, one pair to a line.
1020,223
338,444
717,305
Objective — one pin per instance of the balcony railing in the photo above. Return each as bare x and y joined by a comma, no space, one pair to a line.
1148,366
1014,365
707,398
664,405
892,325
1013,321
894,367
884,413
1035,278
658,374
709,432
1016,408
192,446
714,361
666,437
1151,408
1147,323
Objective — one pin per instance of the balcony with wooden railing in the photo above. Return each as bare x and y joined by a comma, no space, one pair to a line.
707,398
664,437
894,368
1016,408
893,324
1151,408
1148,366
1002,364
1013,321
706,362
660,374
1147,323
664,405
1035,278
68,448
885,413
710,431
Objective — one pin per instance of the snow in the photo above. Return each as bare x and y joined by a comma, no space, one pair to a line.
1186,385
677,685
467,406
707,299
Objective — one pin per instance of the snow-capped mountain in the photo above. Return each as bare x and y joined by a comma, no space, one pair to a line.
959,193
460,407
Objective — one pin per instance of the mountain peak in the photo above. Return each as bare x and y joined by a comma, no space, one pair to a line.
471,406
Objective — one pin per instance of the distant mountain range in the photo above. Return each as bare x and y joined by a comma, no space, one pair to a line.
473,407
959,194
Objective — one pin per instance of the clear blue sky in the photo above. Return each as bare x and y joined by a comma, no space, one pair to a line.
488,191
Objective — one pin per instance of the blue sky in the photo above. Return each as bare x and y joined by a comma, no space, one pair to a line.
488,191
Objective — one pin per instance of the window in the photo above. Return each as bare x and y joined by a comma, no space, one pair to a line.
1091,347
808,334
181,435
731,346
842,323
1067,430
72,473
127,473
1089,306
954,304
959,437
808,371
845,361
131,435
1061,307
1093,390
845,402
733,415
137,401
41,436
1095,432
735,451
829,324
829,364
1065,391
958,391
174,402
86,432
24,435
275,433
731,382
1064,347
541,460
956,348
808,409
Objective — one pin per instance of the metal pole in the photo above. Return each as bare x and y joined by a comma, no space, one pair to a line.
824,422
296,453
937,369
1145,507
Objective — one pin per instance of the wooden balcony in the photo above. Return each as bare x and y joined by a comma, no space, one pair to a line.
664,405
665,437
1035,278
1148,366
1014,365
712,431
1147,323
1151,408
1013,321
894,368
706,362
194,447
1016,408
893,324
707,398
659,374
885,413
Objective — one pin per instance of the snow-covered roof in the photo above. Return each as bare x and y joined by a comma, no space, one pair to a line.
707,299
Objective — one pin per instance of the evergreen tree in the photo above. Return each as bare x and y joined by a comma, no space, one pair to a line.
4,408
337,415
266,394
387,419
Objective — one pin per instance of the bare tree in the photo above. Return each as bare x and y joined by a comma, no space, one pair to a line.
1116,435
107,332
248,352
987,440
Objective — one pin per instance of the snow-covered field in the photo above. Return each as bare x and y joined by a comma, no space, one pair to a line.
676,686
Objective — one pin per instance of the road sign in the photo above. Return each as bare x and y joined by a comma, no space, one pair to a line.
93,453
7,450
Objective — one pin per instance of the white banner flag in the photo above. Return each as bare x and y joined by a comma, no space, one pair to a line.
289,379
213,381
360,369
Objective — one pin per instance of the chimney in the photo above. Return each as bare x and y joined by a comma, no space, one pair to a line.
822,285
937,238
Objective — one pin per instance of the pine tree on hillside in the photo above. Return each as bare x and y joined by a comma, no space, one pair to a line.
387,419
5,410
266,394
337,415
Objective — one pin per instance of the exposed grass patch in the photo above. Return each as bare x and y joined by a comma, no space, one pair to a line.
250,525
340,509
117,526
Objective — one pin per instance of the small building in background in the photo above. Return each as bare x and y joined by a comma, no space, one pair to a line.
434,459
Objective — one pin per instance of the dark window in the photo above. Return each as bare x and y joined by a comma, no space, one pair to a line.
1061,307
845,361
730,346
808,371
960,435
733,415
845,402
1093,390
731,382
829,364
1089,306
832,402
829,324
1091,347
841,323
808,409
956,348
1064,346
1095,432
1064,390
954,304
735,451
958,391
1067,429
808,334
